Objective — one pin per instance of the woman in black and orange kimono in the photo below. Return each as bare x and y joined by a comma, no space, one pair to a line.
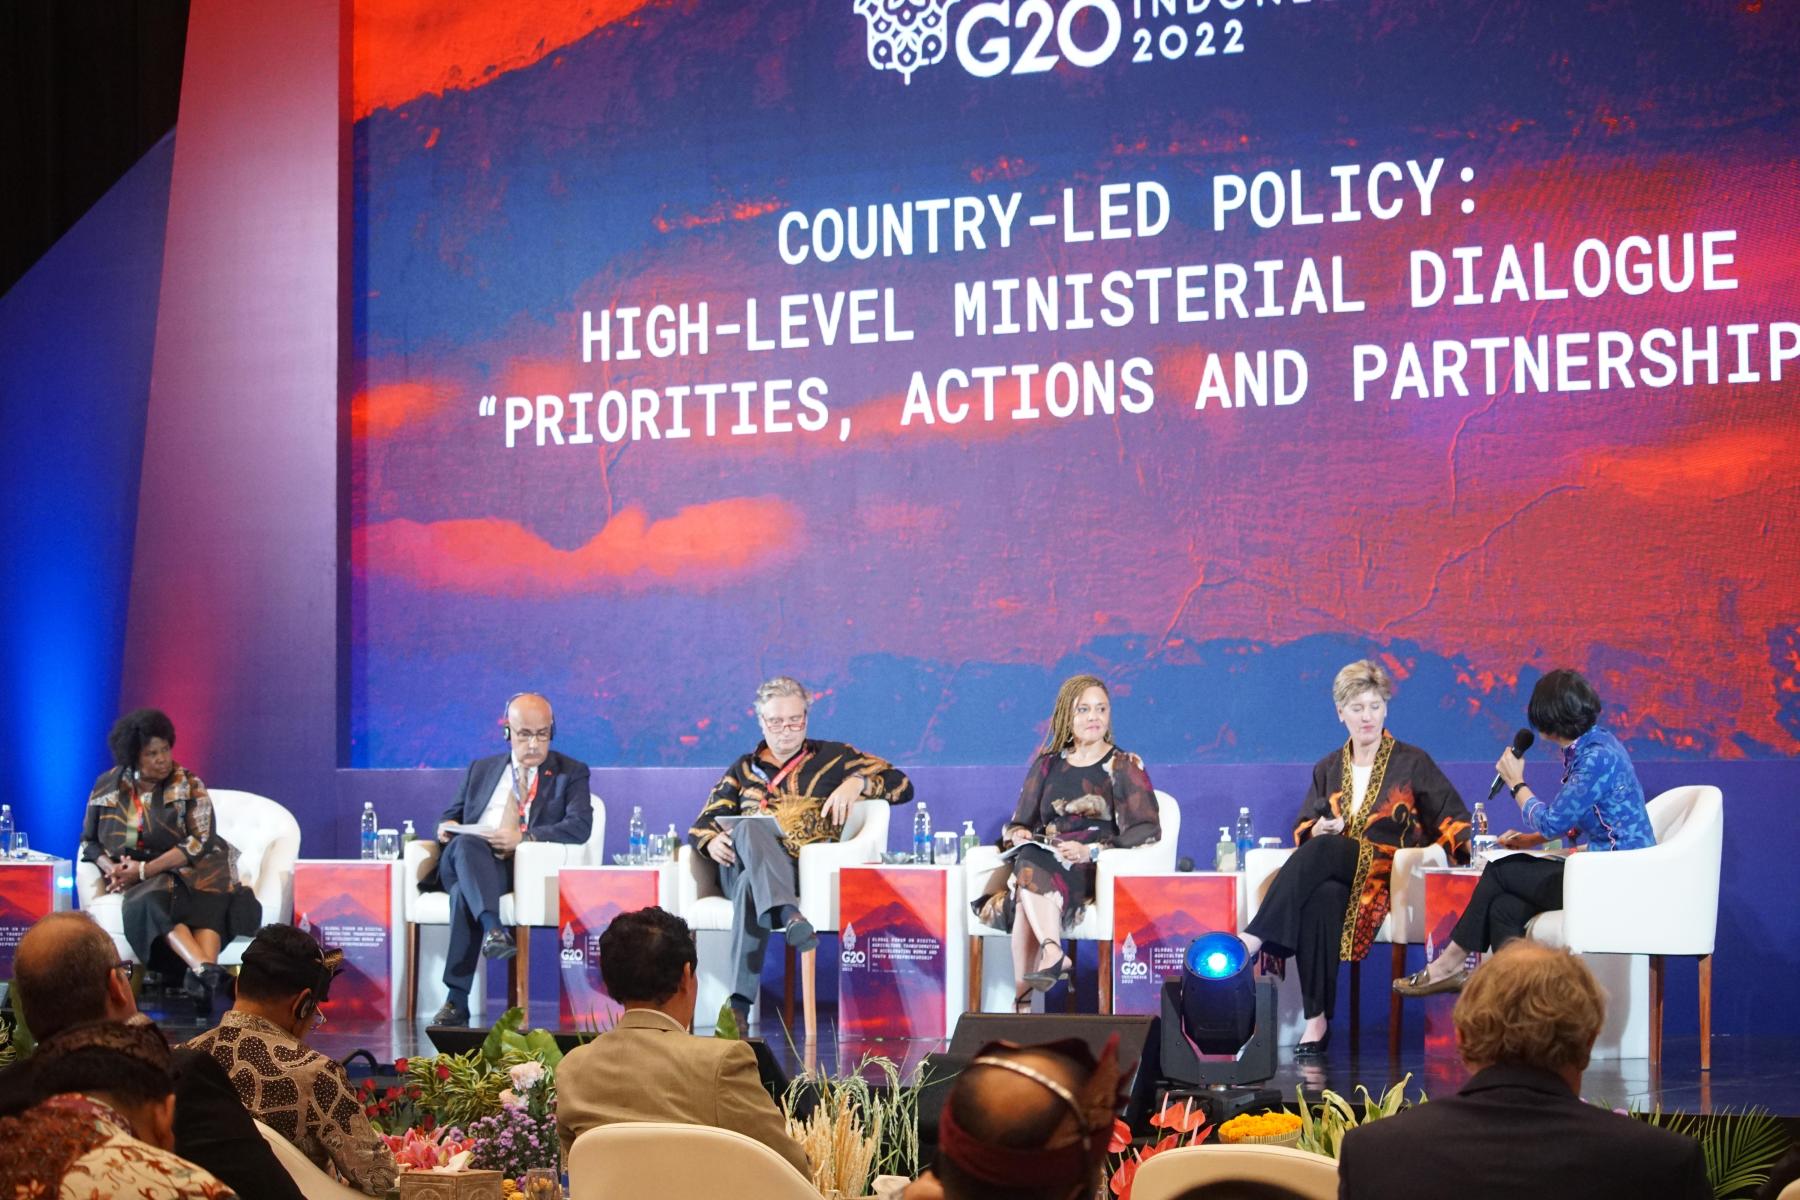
1368,799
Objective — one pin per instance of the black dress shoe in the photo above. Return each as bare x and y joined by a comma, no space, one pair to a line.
451,1015
1313,1049
498,944
801,935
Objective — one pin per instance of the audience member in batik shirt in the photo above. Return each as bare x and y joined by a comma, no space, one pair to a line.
301,1094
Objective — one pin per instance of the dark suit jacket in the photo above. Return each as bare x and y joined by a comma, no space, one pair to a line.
212,1127
1516,1131
562,812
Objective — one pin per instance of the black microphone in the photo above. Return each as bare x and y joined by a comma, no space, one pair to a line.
1521,743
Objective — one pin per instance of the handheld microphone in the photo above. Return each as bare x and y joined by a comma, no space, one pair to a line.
1521,743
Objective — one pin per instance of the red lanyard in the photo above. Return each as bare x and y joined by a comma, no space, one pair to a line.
524,805
793,764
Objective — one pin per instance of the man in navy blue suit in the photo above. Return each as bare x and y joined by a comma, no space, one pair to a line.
531,794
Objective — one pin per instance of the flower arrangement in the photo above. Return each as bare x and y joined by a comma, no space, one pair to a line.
852,1130
427,1149
1261,1127
512,1141
1185,1127
1322,1131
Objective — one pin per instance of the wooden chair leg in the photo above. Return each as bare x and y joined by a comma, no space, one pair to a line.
521,971
1656,1011
1355,1006
976,950
1397,969
1105,990
809,993
1070,948
787,992
1706,1012
411,982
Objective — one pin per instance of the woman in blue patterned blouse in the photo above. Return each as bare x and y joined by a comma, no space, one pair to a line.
1600,800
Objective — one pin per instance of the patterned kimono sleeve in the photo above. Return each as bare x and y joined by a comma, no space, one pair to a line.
199,820
882,780
102,833
1134,802
1317,803
1028,812
722,802
356,1150
1442,814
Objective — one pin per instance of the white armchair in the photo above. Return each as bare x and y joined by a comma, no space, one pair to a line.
313,1182
687,1162
706,908
1173,1172
1403,926
532,902
267,839
1096,925
1658,901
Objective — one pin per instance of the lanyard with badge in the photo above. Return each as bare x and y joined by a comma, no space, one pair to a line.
523,802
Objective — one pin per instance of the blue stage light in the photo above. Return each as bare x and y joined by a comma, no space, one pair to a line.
1218,995
1217,956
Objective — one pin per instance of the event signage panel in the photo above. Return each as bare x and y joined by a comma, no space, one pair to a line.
588,899
1447,893
1154,919
893,953
352,904
28,891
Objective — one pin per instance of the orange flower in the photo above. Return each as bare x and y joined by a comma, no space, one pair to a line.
1121,1137
1182,1118
1121,1179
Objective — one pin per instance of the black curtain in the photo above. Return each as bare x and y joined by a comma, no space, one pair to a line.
86,87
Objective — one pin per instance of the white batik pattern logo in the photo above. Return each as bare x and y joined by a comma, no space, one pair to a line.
905,35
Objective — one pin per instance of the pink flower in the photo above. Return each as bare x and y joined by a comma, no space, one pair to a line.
526,1074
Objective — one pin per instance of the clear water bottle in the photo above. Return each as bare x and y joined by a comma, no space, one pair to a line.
408,833
1244,836
970,839
1481,842
921,834
672,846
1225,856
636,847
6,830
369,825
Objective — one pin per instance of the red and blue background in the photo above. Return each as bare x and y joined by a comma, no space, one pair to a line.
249,483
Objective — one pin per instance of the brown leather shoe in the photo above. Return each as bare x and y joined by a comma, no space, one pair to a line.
1417,984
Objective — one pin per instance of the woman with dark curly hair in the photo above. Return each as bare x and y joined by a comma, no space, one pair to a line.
1081,795
149,828
1600,799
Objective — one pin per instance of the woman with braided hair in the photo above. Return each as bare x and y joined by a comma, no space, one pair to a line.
1081,795
1368,798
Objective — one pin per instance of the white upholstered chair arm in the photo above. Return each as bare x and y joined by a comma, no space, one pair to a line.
865,839
1151,858
1660,900
536,868
416,860
1259,868
1406,891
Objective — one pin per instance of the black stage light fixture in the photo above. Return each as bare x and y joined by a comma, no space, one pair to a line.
1218,1027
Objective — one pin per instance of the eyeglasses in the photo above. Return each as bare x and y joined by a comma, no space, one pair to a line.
124,966
787,723
531,735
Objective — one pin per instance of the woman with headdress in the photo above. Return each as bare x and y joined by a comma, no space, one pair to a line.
1081,795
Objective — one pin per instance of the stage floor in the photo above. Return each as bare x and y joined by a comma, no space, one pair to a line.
1746,1072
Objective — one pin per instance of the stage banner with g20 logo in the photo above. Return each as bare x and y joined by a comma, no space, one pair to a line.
891,952
1154,919
350,905
589,898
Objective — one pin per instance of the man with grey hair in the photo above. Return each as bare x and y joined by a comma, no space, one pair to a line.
807,786
1525,1025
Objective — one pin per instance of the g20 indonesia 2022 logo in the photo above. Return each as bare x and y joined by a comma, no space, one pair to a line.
1130,967
848,954
1028,37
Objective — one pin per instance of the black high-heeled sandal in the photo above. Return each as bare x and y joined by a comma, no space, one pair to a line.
1022,1002
1043,981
